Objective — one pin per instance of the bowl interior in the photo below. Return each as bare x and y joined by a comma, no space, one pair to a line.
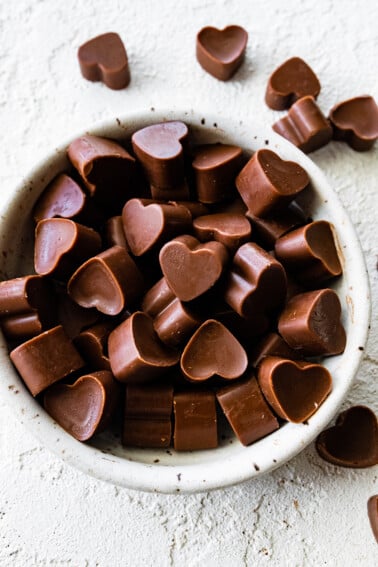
166,470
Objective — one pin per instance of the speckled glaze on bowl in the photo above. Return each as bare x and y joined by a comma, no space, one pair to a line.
231,463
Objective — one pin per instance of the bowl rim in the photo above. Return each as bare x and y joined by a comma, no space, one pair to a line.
195,477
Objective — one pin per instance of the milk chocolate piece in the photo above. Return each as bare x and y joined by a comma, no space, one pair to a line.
92,344
256,282
108,282
85,407
268,229
45,359
136,353
192,268
271,345
147,420
104,58
72,316
173,320
195,208
215,168
267,183
195,420
24,325
159,148
246,410
63,197
294,389
61,245
106,168
292,80
213,351
355,121
148,225
181,191
230,229
373,514
352,441
221,52
236,206
305,126
115,235
310,253
310,323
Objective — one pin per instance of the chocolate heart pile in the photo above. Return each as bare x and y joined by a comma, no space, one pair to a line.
175,278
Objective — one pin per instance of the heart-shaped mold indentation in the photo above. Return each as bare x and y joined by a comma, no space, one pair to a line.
107,282
147,224
231,229
83,408
353,441
192,268
213,351
295,390
356,122
289,82
268,183
104,58
310,253
221,52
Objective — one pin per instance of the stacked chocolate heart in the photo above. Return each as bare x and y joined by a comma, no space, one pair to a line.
182,276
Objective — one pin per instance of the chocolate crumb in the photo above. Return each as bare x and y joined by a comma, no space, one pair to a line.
257,468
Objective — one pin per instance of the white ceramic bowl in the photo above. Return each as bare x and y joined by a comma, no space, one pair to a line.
230,463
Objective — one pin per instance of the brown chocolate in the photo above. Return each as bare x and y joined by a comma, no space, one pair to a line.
256,282
215,168
271,345
72,317
213,351
268,183
310,323
45,359
104,58
305,126
373,514
92,344
85,407
310,253
159,148
246,410
148,224
294,389
173,320
63,197
109,282
195,420
355,121
61,245
115,235
292,80
231,229
147,417
195,208
221,52
192,268
268,229
106,168
136,353
352,441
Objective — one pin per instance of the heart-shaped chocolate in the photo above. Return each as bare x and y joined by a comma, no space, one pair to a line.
353,441
373,514
221,52
268,183
213,351
61,245
310,252
310,323
355,121
231,229
192,268
289,82
104,58
295,390
92,344
84,408
63,197
148,224
107,282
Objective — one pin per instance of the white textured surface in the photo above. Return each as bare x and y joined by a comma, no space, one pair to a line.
306,513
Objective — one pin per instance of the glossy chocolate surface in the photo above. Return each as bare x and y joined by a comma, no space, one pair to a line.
355,121
289,82
231,229
195,420
221,52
